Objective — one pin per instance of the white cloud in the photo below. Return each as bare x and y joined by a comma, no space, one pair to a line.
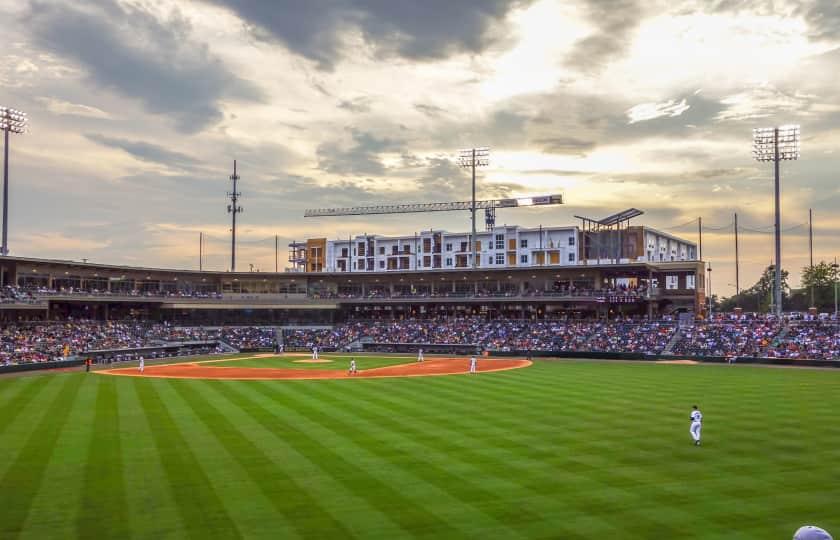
61,107
762,102
650,111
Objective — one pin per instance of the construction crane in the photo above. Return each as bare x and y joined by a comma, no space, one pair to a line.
489,207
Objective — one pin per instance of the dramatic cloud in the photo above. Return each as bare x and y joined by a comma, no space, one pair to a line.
133,52
61,107
426,30
145,151
361,157
614,22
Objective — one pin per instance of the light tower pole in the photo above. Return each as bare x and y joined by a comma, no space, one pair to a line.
233,209
777,144
470,159
11,121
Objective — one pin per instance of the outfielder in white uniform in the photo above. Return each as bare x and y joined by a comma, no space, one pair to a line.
352,367
420,355
142,365
314,353
473,363
696,425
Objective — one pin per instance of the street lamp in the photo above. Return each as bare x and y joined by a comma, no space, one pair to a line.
777,144
470,159
11,121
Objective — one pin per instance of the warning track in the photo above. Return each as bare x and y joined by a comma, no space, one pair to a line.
429,368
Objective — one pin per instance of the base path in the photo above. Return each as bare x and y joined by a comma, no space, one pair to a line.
429,368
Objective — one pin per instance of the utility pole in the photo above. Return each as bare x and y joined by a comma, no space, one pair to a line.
276,253
737,261
811,249
470,159
233,209
200,251
700,237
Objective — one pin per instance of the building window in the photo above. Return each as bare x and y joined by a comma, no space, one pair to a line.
449,261
571,257
406,248
382,250
523,243
344,252
381,264
500,241
500,258
463,246
449,247
571,240
689,281
523,259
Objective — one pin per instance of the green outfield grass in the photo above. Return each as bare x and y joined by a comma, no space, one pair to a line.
566,450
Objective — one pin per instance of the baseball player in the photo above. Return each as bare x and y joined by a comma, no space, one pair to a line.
419,355
142,364
315,353
473,363
696,424
352,366
811,532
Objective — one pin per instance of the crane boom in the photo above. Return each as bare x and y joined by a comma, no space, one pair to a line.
542,200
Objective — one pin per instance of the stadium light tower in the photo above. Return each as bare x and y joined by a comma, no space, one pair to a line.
470,159
777,144
11,121
233,209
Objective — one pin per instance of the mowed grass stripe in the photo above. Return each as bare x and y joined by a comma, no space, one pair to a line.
152,509
23,479
287,496
243,500
104,511
202,512
17,396
351,502
394,490
64,473
439,460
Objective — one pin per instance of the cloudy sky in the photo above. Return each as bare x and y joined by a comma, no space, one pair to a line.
138,109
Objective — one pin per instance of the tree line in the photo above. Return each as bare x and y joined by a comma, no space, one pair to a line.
818,280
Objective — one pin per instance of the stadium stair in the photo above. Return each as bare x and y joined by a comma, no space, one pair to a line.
669,348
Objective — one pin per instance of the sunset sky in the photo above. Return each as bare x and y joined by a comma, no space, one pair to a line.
138,109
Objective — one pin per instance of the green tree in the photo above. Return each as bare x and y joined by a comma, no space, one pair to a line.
759,297
821,279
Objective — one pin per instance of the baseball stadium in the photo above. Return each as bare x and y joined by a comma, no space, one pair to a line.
574,376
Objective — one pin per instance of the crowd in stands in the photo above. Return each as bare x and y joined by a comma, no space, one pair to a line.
33,293
818,340
760,337
742,337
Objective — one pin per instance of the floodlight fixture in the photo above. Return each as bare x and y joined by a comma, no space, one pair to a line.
11,121
471,158
782,143
776,144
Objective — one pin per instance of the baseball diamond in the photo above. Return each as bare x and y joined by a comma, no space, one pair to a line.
561,449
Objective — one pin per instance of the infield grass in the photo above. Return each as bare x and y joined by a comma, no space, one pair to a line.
565,449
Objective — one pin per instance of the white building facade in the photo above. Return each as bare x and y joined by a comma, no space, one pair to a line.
502,247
